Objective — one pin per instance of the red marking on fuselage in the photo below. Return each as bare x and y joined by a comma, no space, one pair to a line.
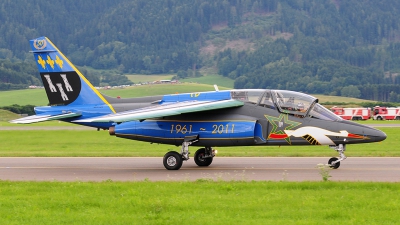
278,136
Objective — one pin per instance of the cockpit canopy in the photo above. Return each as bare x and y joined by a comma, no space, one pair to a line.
289,102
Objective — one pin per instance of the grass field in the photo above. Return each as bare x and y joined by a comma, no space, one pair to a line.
6,115
148,78
210,79
219,80
24,97
199,202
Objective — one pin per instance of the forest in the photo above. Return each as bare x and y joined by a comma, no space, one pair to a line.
345,48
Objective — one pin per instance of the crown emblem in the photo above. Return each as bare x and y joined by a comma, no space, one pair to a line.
40,44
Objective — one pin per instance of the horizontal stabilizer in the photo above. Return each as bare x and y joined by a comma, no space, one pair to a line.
42,118
161,110
43,51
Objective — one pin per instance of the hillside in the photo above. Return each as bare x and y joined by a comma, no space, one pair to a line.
6,115
348,48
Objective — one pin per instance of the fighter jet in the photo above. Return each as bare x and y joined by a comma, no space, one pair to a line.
240,117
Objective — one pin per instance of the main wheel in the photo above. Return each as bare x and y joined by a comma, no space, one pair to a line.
199,158
331,160
172,161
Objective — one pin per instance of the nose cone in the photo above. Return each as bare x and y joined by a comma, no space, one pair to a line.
359,133
375,135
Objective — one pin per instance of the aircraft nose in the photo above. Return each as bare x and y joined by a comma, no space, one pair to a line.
376,135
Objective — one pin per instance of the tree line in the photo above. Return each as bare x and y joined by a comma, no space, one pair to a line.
336,49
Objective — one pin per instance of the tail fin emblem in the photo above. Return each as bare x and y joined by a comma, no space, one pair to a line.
51,85
59,62
41,62
67,85
63,95
40,44
50,61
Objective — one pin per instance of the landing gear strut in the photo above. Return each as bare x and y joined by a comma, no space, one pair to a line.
334,162
203,157
173,160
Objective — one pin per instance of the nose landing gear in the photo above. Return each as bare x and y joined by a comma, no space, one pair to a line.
334,162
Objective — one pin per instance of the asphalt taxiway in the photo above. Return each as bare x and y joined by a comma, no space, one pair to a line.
374,169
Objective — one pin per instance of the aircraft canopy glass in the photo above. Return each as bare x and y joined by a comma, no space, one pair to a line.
320,112
293,102
290,102
247,95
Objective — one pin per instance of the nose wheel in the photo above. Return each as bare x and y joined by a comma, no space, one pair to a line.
334,162
333,165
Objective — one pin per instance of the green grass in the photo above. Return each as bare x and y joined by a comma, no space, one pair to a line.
372,122
326,98
141,78
24,97
99,143
210,79
219,80
6,115
199,202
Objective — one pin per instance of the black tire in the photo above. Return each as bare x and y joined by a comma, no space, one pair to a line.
172,161
336,164
199,160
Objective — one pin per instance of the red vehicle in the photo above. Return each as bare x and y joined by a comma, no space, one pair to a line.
386,113
352,113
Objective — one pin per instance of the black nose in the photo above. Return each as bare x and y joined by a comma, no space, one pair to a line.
376,135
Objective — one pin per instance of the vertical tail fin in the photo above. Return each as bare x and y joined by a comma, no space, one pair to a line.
63,82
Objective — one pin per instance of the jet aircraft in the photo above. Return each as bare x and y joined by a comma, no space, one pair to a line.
242,117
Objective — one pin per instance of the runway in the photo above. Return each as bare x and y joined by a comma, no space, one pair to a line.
382,169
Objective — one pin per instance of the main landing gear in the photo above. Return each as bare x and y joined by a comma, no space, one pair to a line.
203,157
334,162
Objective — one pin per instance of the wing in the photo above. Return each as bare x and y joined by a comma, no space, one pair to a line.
161,110
44,117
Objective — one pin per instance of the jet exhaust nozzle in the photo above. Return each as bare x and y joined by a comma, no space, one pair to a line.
111,131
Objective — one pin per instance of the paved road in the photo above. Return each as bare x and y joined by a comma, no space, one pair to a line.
235,168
